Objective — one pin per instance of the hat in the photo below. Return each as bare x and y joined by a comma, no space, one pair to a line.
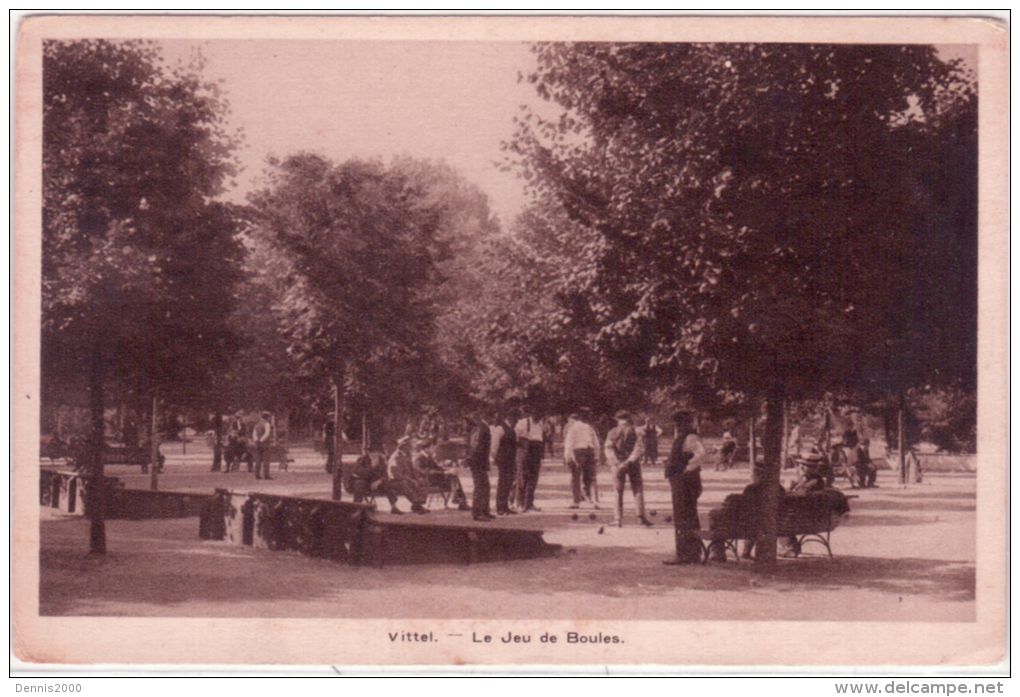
622,415
267,415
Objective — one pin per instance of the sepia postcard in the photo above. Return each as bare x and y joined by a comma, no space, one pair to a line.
611,343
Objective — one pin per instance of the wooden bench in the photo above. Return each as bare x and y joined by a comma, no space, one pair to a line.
803,517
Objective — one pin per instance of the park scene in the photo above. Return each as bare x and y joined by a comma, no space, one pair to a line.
509,330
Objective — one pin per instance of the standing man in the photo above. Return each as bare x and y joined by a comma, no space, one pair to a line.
262,437
624,450
580,444
683,470
329,443
479,444
503,451
650,435
530,445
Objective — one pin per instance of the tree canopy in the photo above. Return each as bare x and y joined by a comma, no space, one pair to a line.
754,211
139,260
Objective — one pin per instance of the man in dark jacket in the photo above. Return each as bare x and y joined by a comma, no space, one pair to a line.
683,470
479,444
504,451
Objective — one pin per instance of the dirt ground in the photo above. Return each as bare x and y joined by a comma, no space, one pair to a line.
902,554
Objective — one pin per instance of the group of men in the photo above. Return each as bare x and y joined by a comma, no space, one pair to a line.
516,449
249,444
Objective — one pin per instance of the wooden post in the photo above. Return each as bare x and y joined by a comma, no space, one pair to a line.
154,443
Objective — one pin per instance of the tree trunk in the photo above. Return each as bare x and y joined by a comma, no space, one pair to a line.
337,456
154,444
765,550
218,440
901,441
364,431
97,480
785,443
752,445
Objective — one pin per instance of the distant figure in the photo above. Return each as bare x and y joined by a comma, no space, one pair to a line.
404,479
548,435
530,445
329,444
237,443
683,471
262,438
479,444
650,435
624,450
580,445
867,471
726,452
503,450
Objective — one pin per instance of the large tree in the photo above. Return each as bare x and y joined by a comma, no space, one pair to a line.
138,258
355,246
770,219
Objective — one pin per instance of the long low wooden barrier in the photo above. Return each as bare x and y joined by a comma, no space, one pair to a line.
67,491
349,532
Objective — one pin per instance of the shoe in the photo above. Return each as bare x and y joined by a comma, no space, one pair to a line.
485,517
595,507
573,507
644,521
463,507
419,509
396,511
506,512
676,562
534,509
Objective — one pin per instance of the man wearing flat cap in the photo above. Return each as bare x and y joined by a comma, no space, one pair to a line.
623,453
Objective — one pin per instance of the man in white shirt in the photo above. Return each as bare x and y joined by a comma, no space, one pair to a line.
530,446
580,444
262,437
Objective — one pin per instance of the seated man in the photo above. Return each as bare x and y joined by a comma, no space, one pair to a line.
404,478
739,512
368,478
812,472
437,476
867,471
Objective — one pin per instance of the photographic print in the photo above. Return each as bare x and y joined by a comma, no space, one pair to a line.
517,341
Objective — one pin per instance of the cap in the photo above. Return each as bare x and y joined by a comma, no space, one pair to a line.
622,415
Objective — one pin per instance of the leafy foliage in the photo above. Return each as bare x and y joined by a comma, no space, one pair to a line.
138,260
